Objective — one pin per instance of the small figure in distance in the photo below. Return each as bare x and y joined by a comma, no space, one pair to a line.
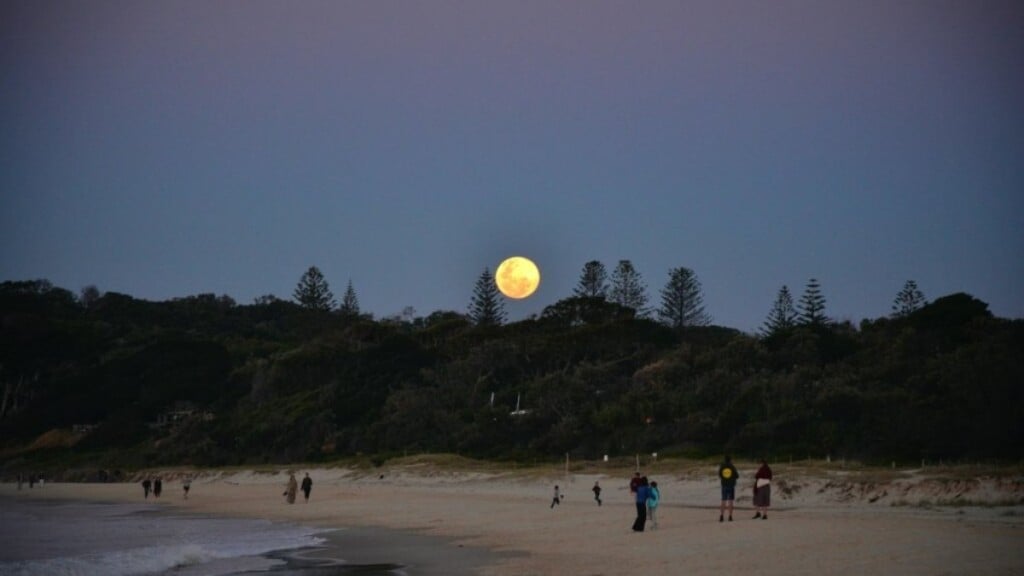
557,499
145,487
597,492
642,492
762,490
653,499
158,487
186,485
307,486
728,475
291,489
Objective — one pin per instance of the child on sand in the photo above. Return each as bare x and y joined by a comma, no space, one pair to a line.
653,499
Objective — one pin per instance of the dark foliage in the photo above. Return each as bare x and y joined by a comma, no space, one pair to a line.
202,380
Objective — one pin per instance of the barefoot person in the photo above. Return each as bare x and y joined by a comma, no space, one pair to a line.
762,490
728,475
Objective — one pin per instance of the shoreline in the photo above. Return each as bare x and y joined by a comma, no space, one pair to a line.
503,523
360,549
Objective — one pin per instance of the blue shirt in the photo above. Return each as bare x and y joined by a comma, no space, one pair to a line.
641,494
653,498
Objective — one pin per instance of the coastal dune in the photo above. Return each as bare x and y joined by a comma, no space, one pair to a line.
821,522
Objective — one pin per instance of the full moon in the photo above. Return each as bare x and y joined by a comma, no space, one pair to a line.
517,277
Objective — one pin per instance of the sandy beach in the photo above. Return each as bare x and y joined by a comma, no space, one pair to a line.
822,521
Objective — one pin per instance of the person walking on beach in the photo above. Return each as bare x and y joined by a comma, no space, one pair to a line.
292,488
597,492
557,499
307,485
728,475
158,487
145,487
762,490
653,499
186,485
642,492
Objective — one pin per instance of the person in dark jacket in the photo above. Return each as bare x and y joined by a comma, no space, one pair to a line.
642,492
307,486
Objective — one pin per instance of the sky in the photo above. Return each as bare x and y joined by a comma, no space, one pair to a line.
174,148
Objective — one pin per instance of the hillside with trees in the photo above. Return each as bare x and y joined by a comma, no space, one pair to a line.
203,380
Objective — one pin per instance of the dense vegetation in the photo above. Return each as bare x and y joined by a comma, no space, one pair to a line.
278,382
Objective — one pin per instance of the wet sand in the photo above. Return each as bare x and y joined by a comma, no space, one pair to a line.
499,525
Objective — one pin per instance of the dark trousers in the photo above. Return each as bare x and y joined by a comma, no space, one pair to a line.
641,517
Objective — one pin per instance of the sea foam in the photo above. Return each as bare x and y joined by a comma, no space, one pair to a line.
118,540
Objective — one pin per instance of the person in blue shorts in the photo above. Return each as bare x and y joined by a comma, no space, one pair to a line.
728,475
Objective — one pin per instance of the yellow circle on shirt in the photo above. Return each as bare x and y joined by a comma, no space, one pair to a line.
727,473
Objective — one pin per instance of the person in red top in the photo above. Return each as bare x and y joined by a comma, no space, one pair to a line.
762,490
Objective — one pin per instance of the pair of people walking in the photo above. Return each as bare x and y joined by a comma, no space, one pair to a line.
156,486
292,488
728,475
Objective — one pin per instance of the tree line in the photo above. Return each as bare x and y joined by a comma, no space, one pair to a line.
595,373
682,298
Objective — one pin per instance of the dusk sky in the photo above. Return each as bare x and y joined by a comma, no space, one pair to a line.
167,149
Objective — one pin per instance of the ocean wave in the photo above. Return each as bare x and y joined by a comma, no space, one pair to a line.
161,558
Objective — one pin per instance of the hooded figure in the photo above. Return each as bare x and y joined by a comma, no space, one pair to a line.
293,487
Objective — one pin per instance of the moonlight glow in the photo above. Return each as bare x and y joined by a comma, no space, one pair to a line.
517,277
